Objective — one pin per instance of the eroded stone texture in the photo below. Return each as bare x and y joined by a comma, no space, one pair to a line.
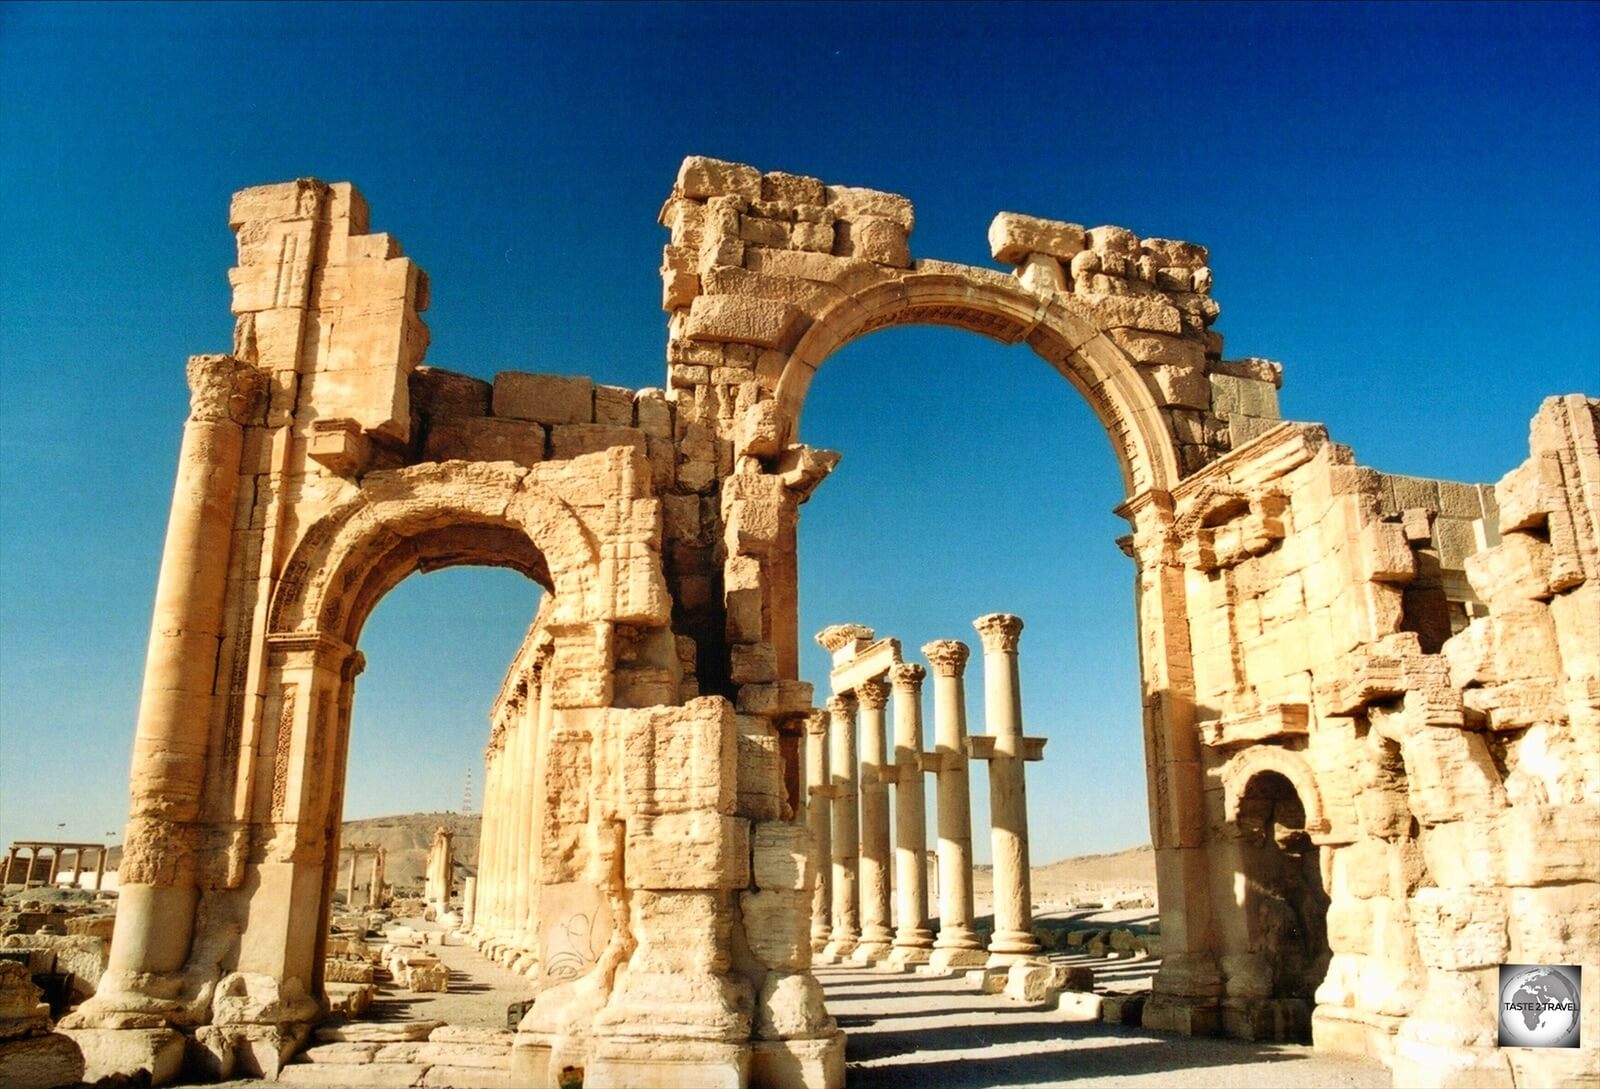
1363,694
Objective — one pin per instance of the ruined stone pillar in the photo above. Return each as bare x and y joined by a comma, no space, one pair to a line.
1008,796
350,882
958,945
11,861
156,901
77,865
375,889
819,817
55,867
100,870
27,874
469,903
913,938
876,937
846,829
527,716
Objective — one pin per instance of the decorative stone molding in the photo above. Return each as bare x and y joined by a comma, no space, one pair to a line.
947,656
1000,632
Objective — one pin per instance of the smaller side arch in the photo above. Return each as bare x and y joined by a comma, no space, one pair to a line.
1247,763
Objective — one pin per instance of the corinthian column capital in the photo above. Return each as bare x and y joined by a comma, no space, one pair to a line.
999,632
873,695
907,675
947,656
224,388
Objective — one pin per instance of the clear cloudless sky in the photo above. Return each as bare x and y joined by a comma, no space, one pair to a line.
1400,201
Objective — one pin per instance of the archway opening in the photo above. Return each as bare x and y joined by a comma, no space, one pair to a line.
437,627
973,481
1284,905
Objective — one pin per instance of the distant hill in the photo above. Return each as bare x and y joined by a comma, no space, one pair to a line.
407,838
1136,865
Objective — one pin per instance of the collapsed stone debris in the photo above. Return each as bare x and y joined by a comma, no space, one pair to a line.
1371,703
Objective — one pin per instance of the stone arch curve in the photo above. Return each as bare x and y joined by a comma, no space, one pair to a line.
426,517
1246,764
1059,329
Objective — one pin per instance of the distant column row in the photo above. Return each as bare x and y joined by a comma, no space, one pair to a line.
849,793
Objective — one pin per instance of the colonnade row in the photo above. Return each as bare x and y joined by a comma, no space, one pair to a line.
16,867
375,879
499,906
849,794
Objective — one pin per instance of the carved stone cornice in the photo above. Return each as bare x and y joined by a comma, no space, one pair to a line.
999,632
835,638
947,656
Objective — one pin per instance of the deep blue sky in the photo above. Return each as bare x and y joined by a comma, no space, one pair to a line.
1401,204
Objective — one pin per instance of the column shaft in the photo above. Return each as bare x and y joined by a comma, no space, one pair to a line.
1008,797
913,938
876,937
958,945
846,829
819,817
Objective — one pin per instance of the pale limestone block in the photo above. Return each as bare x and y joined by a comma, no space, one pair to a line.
446,1076
376,1076
782,857
1150,313
697,850
796,1062
1155,348
543,398
1515,570
765,323
760,431
577,439
1386,555
1232,396
40,1062
1033,984
872,238
109,1052
848,202
678,759
1012,237
792,188
700,177
343,1053
481,1056
1558,924
482,438
802,264
1550,844
777,927
754,663
379,1032
1460,929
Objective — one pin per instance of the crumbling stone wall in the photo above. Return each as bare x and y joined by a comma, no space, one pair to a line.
1308,671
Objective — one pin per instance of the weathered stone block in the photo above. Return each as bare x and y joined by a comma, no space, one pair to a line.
700,177
872,238
543,398
1460,929
783,856
484,438
1012,237
677,759
765,323
699,850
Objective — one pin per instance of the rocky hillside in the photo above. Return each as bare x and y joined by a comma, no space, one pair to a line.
407,839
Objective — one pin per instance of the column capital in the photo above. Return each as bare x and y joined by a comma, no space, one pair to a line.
224,388
842,706
873,694
816,721
947,656
999,632
907,675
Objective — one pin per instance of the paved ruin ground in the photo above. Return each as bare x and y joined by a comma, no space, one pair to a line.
908,1030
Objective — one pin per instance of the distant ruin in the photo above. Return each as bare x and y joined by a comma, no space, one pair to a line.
1371,703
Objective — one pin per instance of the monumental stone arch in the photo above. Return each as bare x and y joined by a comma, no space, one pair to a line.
1364,695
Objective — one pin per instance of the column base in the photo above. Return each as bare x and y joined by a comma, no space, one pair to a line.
132,1053
798,1064
838,949
950,958
910,954
655,1063
1347,1031
1185,1016
868,953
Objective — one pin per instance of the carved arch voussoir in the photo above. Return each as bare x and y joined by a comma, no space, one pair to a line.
1247,763
394,507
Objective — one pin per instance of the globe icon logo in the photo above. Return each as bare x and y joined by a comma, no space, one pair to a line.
1539,1006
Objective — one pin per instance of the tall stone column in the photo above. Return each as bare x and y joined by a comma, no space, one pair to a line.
958,945
77,865
469,903
876,937
375,889
157,896
913,938
27,874
1008,797
819,818
100,870
527,715
55,866
484,912
846,828
11,862
350,882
